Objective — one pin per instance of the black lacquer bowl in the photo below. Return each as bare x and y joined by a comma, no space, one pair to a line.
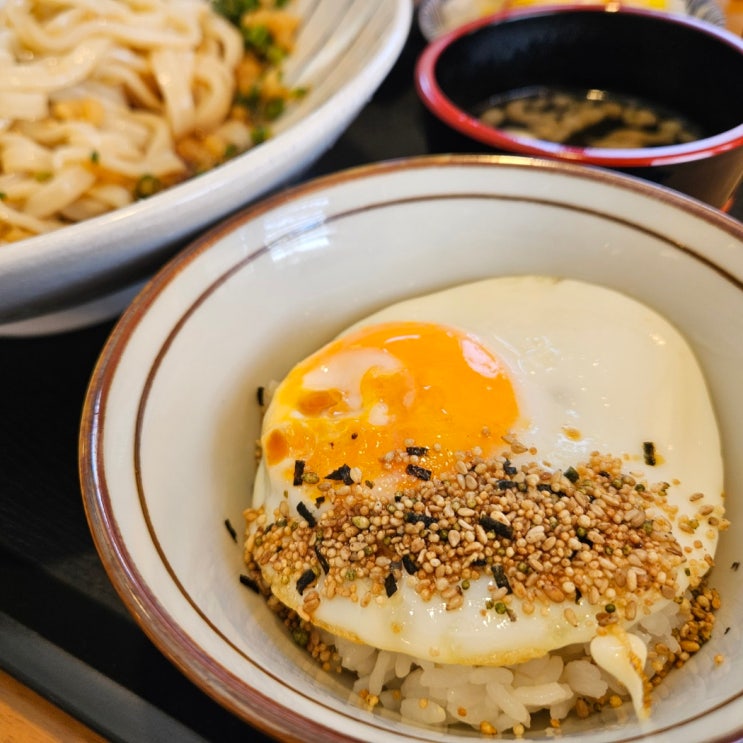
675,63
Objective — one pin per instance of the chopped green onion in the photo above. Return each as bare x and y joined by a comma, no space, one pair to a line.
233,10
147,185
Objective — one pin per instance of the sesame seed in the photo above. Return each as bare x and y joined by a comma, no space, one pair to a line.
583,536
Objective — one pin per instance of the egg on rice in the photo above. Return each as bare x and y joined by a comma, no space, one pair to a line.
495,498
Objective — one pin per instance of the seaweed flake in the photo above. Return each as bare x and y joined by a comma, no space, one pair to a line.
322,560
248,582
648,453
230,529
298,472
390,584
420,472
501,579
409,564
501,529
305,580
572,474
415,518
343,474
306,514
417,451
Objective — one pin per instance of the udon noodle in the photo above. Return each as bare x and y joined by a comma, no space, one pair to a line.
106,101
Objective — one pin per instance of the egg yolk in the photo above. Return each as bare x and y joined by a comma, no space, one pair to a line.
387,388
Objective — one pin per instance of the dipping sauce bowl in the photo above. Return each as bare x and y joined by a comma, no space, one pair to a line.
660,64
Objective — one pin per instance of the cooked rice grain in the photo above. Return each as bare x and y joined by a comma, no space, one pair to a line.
503,698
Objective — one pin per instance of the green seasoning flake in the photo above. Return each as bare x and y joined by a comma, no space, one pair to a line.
500,607
147,185
258,38
233,10
301,637
250,99
274,108
274,54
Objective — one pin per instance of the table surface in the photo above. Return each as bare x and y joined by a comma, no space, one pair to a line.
64,633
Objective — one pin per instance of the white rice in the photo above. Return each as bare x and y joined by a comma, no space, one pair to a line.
508,698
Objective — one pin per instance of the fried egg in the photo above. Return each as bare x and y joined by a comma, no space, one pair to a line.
373,468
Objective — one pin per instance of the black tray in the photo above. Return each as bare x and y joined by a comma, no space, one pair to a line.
63,629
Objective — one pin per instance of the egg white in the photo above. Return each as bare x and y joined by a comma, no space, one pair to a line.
593,370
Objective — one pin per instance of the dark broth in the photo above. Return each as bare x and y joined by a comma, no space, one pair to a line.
592,118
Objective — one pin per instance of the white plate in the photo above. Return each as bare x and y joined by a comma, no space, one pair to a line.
79,274
170,419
